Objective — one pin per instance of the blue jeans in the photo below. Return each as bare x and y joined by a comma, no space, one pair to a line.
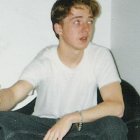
17,126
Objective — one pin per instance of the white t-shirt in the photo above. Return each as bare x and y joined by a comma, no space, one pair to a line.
60,89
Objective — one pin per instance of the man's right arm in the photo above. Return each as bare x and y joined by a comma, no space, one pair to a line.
11,96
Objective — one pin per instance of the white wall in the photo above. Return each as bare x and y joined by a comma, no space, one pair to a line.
25,28
125,38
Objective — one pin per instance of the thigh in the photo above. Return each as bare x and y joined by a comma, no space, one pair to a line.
111,127
103,129
15,126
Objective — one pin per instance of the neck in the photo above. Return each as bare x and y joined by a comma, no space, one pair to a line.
70,57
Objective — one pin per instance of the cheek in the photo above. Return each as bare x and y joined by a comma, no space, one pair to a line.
70,33
70,37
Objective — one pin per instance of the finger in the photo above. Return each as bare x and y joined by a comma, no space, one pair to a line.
55,137
48,136
59,138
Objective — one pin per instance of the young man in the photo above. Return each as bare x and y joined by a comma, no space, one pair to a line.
66,77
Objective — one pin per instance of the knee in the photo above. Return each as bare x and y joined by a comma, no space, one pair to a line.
115,126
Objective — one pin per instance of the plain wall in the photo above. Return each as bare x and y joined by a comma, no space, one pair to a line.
125,39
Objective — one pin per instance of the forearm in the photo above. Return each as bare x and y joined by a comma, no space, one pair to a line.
6,100
11,96
103,109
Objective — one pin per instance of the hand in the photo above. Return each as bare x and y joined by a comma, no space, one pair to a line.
59,130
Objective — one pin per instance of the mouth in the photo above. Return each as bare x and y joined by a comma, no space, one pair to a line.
84,38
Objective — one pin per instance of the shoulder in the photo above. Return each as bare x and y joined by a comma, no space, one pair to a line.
95,50
47,52
44,57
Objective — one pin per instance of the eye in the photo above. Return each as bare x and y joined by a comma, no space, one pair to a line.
90,21
77,22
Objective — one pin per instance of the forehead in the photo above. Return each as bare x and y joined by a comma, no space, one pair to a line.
80,9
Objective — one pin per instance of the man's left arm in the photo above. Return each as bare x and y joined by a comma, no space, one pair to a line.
112,104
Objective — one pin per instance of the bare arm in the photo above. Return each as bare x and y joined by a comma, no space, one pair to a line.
112,105
9,97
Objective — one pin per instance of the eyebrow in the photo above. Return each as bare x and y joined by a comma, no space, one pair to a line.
77,17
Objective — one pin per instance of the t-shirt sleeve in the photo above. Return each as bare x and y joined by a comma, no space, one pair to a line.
106,71
33,72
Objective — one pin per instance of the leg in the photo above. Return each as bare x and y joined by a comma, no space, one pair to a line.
113,129
15,126
107,128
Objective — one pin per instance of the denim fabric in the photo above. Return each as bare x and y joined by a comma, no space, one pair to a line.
17,126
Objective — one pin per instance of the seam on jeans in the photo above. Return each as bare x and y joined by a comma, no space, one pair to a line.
133,120
23,132
81,134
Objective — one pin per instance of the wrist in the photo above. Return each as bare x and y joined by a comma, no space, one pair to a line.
74,117
79,125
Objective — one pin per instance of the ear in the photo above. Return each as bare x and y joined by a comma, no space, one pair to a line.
58,28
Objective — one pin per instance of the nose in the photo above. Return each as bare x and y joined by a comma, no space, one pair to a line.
86,27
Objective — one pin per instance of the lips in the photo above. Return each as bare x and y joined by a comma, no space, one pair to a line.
84,38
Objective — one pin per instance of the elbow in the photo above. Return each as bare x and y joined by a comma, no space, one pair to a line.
121,108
